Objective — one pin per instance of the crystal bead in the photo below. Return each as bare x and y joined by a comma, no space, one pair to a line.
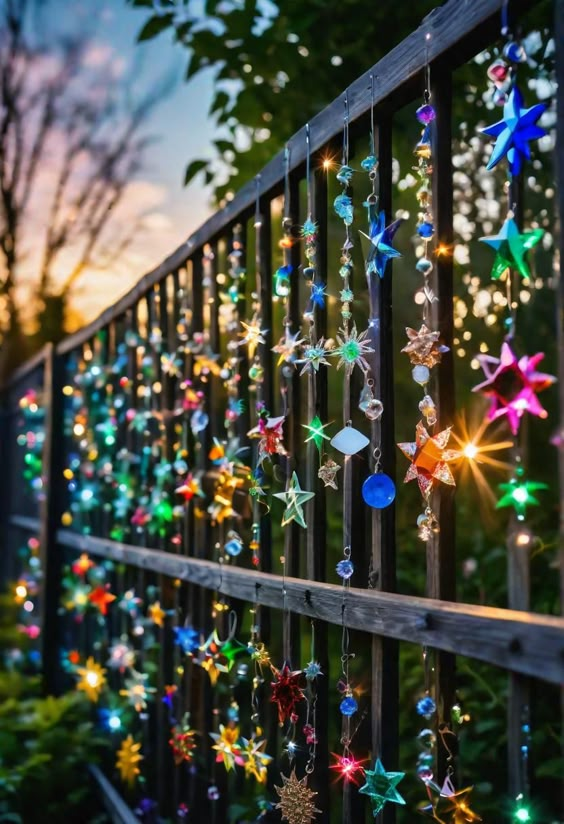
369,163
424,266
234,545
425,773
378,490
420,374
309,273
429,410
426,230
426,707
498,71
423,149
427,738
348,706
425,114
499,97
345,569
515,52
349,441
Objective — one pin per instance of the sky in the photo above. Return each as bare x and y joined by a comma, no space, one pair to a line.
179,123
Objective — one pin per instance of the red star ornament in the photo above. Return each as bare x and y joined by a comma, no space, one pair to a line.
286,691
429,459
101,597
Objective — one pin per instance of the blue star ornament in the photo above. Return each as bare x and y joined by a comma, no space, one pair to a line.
381,249
381,787
513,132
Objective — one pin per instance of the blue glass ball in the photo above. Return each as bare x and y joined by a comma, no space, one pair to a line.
378,490
426,707
348,706
345,569
233,547
425,230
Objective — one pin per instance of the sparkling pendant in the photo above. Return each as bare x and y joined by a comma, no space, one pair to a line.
378,490
371,406
349,441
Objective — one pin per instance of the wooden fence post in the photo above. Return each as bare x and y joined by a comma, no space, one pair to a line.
50,519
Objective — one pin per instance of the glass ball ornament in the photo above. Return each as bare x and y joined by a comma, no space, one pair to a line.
348,706
425,114
345,569
378,490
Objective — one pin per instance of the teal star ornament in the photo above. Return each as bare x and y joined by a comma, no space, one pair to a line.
381,786
513,132
511,246
294,498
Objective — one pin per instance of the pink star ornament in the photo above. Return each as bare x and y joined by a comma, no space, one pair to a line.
512,384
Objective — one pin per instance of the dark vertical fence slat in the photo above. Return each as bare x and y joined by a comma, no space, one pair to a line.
441,555
385,665
52,508
316,538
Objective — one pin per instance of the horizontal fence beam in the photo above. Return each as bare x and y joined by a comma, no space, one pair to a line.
449,27
25,523
115,806
517,641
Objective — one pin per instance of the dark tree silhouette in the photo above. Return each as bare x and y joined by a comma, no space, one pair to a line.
69,146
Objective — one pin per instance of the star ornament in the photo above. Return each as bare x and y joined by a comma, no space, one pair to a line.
512,385
511,247
423,347
128,758
296,800
286,346
286,691
519,494
294,498
457,804
316,432
513,132
91,679
314,356
381,786
252,335
429,459
100,597
381,249
352,349
227,747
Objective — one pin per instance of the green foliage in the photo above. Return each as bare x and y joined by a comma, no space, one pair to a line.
46,745
276,65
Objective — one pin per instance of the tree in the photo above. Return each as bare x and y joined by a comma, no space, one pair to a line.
69,146
276,65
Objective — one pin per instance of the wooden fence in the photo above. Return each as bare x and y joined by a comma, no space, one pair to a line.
177,308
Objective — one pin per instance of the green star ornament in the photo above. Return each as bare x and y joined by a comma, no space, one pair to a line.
511,246
294,498
316,433
518,494
231,650
381,787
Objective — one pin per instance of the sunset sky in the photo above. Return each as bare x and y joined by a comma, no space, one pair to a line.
179,124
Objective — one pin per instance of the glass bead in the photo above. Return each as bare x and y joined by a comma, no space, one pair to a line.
498,71
213,793
234,546
425,114
424,266
426,707
515,52
349,441
427,739
348,706
199,421
309,273
369,163
420,374
425,773
426,230
345,569
378,490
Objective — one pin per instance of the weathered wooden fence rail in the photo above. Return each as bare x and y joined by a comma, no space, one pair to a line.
184,292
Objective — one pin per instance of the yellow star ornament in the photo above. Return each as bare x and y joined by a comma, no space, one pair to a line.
128,758
91,679
157,614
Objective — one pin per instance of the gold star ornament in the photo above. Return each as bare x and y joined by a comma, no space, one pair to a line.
296,800
423,347
429,459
